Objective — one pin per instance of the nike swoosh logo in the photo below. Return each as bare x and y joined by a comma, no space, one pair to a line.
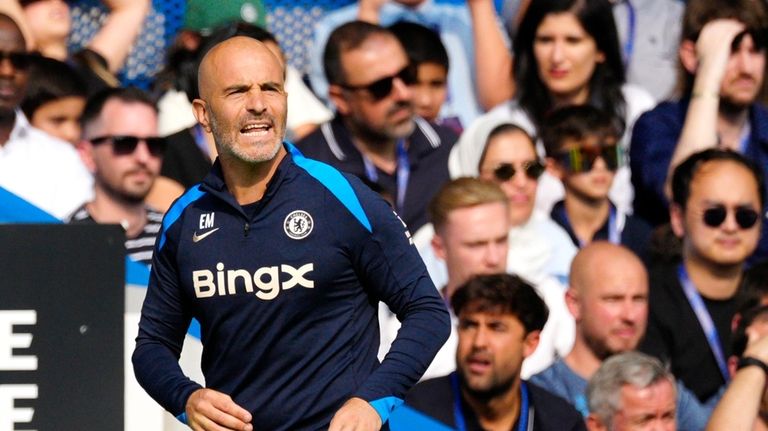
197,238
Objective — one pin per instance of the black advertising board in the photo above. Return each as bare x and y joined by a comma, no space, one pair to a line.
62,295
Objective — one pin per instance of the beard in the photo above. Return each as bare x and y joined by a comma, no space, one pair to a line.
228,146
495,389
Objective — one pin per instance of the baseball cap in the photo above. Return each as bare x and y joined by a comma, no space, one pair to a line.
203,15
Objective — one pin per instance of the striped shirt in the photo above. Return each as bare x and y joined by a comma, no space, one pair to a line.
140,247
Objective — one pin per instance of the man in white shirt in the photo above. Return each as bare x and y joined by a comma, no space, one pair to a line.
42,170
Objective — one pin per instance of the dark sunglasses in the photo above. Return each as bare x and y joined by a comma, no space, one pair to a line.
505,171
19,60
124,145
746,217
582,159
382,88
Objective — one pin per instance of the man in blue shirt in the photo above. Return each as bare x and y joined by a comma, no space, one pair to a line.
608,297
282,260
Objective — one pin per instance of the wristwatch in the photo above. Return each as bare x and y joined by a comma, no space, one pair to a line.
749,360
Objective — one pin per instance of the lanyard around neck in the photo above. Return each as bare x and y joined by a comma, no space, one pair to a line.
705,320
629,45
524,421
403,173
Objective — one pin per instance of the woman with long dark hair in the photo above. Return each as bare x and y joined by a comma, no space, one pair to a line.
566,52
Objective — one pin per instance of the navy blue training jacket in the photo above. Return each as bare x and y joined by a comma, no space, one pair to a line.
287,301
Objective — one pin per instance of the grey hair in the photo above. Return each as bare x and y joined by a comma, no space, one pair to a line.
629,368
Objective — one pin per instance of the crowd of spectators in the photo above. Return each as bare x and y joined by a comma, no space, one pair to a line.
609,154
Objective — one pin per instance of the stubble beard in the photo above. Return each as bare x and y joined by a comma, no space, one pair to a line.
228,147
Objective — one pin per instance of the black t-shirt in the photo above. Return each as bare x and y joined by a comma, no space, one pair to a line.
435,398
674,334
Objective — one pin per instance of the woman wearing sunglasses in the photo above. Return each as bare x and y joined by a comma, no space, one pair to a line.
566,52
716,209
537,246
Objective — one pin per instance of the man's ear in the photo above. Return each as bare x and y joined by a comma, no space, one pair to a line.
687,53
200,109
336,95
676,220
85,150
530,342
438,246
572,302
594,423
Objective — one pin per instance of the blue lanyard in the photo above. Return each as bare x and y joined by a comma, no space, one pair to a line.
614,235
745,135
629,45
458,414
705,320
403,173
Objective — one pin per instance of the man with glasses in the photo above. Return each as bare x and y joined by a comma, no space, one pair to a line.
121,148
35,166
722,56
717,201
583,152
375,134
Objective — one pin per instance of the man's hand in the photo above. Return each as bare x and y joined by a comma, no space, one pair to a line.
368,10
356,415
713,49
209,410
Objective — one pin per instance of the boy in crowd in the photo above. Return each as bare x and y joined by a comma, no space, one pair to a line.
428,55
55,98
582,149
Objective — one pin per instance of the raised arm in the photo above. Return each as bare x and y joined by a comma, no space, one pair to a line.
493,59
369,10
740,406
116,37
709,58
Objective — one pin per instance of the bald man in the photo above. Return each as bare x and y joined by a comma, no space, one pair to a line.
282,260
608,298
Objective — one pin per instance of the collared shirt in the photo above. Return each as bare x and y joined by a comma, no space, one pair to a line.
428,149
451,21
43,170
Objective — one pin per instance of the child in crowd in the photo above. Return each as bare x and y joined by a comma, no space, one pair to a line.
55,98
428,55
583,151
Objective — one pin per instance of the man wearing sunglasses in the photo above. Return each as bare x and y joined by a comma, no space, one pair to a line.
717,201
723,59
35,166
375,134
283,261
583,152
121,148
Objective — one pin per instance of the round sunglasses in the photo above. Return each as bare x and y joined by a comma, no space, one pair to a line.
505,171
714,216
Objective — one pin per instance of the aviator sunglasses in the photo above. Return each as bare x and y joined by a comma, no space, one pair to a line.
505,171
382,88
714,216
123,145
582,159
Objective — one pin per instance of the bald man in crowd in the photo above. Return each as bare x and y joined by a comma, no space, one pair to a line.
608,297
295,257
